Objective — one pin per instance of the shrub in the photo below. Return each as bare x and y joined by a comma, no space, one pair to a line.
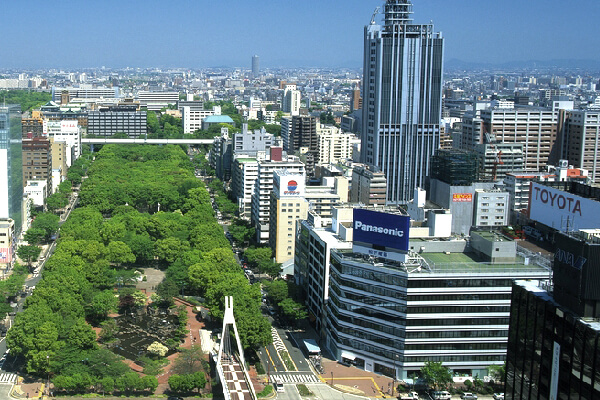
266,392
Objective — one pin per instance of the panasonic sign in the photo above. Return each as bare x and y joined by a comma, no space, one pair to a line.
381,229
378,229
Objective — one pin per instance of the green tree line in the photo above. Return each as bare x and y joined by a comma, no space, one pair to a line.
118,228
27,99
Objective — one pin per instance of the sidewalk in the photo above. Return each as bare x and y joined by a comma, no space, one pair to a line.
30,390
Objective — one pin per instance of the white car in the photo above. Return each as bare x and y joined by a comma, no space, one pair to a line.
442,395
498,396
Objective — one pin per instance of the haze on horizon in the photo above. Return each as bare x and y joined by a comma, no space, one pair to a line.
200,33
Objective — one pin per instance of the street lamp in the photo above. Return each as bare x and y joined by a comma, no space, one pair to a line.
48,381
394,377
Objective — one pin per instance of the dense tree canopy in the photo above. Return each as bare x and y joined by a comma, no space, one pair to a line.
26,98
117,228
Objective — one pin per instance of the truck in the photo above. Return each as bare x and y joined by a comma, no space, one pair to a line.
410,396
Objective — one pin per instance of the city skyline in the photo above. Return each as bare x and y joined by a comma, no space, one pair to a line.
200,34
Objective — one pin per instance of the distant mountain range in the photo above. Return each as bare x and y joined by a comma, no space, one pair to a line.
532,64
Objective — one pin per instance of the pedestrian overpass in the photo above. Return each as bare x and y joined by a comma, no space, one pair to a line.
230,363
110,140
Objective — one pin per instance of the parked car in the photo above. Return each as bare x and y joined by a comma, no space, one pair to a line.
468,396
442,395
410,396
498,396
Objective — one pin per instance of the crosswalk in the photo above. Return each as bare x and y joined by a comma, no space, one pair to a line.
277,342
7,377
295,378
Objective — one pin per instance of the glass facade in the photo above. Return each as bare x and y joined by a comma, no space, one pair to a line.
385,316
402,97
552,353
11,168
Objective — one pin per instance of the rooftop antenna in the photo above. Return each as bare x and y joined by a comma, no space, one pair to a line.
374,15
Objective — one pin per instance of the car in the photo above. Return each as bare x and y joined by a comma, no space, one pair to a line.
442,395
498,396
468,396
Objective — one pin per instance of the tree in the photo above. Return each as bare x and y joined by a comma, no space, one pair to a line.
119,253
109,330
34,236
158,349
170,248
28,253
277,290
198,380
436,374
103,303
48,222
271,268
150,383
497,372
292,311
241,231
108,384
189,360
258,257
167,289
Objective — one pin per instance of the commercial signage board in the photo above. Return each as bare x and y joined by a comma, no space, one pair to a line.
382,229
69,126
562,210
5,255
289,184
462,197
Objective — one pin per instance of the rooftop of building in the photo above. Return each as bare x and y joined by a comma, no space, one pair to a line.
450,263
219,119
246,159
543,293
493,236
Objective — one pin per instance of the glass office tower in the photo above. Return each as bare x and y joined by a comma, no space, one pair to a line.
402,99
11,165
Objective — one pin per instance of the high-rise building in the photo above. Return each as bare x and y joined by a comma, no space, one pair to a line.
67,131
553,338
109,121
355,100
335,145
402,99
37,161
535,128
582,130
301,137
155,101
11,165
291,100
255,66
261,197
368,186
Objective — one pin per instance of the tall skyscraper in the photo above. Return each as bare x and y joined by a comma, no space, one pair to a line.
11,165
255,66
402,99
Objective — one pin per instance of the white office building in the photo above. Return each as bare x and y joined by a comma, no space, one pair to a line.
263,186
192,116
67,131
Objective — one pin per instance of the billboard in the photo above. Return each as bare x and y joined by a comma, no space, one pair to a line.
462,197
69,126
286,184
381,229
562,210
5,255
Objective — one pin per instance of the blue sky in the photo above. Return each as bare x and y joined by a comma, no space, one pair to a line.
323,33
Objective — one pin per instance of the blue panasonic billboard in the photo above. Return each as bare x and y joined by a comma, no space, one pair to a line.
382,229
